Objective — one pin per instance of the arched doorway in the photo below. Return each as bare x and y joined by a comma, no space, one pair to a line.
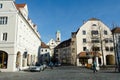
110,60
18,60
3,59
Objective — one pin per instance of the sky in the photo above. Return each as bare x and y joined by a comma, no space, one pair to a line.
68,15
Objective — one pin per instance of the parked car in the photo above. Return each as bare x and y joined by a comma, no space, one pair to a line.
57,64
36,68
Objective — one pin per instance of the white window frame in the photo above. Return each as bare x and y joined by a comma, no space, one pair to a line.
3,20
4,36
1,5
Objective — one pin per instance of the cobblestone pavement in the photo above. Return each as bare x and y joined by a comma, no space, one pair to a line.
62,73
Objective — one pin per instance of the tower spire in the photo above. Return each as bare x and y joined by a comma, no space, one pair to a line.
58,37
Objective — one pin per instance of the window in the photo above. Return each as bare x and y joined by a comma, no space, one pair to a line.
25,54
108,40
111,48
84,40
95,41
1,5
96,49
84,48
45,55
94,32
72,42
42,50
84,32
46,50
105,32
107,48
4,37
3,20
119,39
73,50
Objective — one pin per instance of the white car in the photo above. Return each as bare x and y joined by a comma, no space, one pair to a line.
36,68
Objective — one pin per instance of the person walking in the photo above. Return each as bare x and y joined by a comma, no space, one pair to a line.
51,65
94,66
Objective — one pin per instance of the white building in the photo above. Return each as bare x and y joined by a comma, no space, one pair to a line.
94,38
53,43
44,56
19,41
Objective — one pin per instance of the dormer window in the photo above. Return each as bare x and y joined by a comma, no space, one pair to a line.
94,25
1,5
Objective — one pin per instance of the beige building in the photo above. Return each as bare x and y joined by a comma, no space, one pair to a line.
94,39
63,52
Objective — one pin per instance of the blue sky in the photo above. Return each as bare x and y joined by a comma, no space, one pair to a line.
68,15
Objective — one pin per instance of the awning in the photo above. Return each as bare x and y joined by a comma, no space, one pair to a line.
88,55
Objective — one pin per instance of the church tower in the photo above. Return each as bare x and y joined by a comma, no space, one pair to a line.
58,37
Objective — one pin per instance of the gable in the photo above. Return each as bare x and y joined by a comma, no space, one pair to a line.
93,25
52,42
23,9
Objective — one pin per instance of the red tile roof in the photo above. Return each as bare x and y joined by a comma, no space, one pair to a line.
18,6
43,45
94,19
116,30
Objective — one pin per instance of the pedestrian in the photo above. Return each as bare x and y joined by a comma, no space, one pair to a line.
51,65
94,66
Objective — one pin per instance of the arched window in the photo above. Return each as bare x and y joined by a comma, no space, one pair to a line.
3,59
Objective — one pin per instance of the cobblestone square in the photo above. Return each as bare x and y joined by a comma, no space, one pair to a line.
62,73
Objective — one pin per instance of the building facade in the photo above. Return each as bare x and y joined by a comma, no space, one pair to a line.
44,57
93,41
63,52
20,41
116,39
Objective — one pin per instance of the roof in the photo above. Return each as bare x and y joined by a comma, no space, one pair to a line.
116,30
94,19
63,44
18,6
43,45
